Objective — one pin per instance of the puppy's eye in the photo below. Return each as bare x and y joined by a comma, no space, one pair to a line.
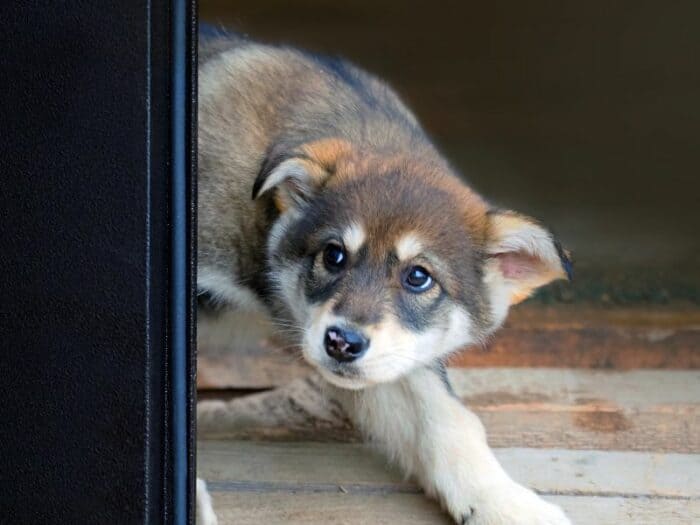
417,280
334,257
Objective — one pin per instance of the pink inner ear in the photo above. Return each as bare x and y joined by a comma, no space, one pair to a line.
518,265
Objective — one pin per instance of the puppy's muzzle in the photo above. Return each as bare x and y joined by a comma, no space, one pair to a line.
344,345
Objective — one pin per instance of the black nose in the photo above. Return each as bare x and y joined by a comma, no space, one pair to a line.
344,345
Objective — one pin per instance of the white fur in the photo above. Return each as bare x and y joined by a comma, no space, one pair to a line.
500,292
433,437
285,281
526,237
205,509
395,351
279,228
222,288
408,247
354,237
289,169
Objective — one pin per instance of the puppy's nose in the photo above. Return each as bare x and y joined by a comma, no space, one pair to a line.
344,345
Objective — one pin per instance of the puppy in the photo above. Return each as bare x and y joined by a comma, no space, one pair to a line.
323,202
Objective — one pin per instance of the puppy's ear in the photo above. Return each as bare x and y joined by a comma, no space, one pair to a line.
297,174
521,257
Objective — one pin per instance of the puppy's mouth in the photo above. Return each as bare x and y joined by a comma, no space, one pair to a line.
345,371
348,378
344,375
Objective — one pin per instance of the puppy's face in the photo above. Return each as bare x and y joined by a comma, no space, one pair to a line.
387,264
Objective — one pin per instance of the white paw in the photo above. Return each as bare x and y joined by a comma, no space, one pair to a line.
511,504
205,509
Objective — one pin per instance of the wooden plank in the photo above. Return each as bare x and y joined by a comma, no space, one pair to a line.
642,410
628,511
554,472
309,508
307,462
604,473
634,389
635,410
250,508
237,350
245,351
595,430
588,337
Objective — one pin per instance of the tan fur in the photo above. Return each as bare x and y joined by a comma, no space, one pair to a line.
354,236
327,153
408,246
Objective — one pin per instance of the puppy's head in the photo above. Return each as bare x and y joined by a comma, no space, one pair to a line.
388,262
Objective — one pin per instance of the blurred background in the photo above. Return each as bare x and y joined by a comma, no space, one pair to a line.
582,114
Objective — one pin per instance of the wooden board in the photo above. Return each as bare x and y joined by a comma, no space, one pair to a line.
643,410
247,352
635,410
243,351
246,508
592,337
302,508
241,465
345,483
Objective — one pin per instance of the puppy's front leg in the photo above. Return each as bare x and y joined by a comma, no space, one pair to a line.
205,509
433,437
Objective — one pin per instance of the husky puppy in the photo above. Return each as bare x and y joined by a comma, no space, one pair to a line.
323,202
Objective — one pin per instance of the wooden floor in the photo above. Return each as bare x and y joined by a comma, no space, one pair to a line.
610,447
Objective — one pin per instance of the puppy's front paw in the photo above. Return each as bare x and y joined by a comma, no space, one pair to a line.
205,509
511,504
